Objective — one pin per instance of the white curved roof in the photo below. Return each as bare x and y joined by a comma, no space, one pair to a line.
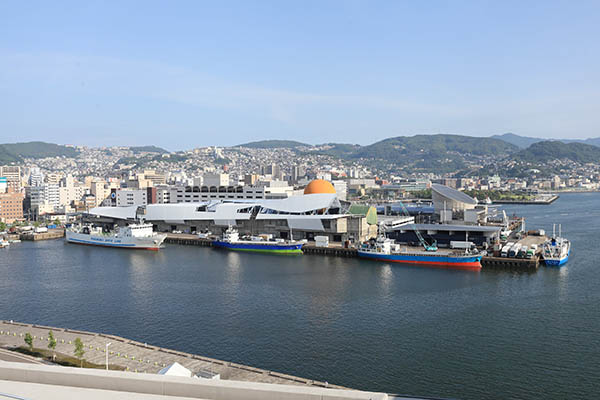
223,210
452,194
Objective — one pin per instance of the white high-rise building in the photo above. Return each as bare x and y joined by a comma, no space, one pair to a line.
43,197
216,180
132,197
36,177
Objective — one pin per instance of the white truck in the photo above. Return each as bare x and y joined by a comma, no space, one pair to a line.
506,249
322,241
456,244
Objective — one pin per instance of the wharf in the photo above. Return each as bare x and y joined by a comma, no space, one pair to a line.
140,357
193,240
187,239
549,200
490,262
337,250
51,234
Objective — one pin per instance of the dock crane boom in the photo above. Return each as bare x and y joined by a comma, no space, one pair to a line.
426,246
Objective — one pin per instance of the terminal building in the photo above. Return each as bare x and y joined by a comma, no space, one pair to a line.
316,213
459,218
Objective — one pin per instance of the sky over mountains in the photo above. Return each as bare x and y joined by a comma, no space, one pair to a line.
193,73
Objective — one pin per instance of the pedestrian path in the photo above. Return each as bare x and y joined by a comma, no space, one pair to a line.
139,357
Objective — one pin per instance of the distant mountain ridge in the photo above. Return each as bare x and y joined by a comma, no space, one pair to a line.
273,144
526,141
542,152
148,149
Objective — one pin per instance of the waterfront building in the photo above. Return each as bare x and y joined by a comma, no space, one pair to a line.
11,207
316,213
443,234
304,217
447,201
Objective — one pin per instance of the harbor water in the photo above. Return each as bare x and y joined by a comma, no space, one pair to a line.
369,325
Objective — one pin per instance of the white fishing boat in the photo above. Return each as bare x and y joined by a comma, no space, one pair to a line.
556,250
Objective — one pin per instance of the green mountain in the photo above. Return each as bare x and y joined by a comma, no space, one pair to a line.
406,148
6,157
273,144
542,152
148,149
39,150
340,150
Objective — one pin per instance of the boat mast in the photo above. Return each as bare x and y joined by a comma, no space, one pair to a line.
559,230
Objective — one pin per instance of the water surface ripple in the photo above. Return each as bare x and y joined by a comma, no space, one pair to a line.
369,325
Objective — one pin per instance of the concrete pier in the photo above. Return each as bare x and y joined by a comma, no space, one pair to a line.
140,357
337,250
510,263
51,234
549,200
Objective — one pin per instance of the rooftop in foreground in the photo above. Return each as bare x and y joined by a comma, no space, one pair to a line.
32,381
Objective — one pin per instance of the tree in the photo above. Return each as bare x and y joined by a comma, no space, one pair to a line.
57,222
79,352
52,344
2,226
29,341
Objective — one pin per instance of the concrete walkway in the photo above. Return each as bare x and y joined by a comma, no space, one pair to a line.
139,357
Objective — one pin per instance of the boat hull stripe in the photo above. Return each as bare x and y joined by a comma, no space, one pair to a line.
470,263
296,248
117,245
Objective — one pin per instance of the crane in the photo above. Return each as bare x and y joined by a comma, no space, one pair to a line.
426,246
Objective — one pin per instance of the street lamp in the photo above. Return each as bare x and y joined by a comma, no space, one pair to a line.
107,344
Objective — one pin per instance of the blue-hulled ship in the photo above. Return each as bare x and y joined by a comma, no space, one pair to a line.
384,249
231,241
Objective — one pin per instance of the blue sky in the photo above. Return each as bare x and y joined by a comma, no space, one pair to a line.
185,74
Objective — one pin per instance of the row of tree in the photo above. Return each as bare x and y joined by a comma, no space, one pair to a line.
52,342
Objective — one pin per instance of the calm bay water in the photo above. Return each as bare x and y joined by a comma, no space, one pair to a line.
368,325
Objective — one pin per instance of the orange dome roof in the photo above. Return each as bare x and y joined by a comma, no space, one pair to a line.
319,186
